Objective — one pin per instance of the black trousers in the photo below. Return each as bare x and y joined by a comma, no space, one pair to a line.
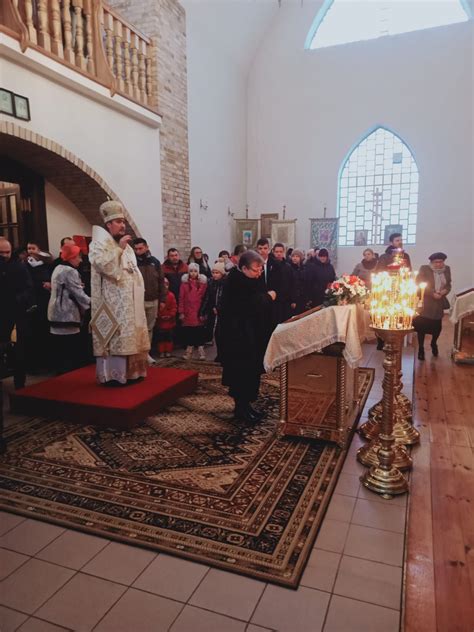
424,326
67,352
19,348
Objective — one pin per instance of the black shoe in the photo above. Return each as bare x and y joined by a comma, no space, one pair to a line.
244,412
244,415
434,349
259,415
421,354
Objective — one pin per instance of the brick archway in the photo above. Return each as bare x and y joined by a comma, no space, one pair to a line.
68,173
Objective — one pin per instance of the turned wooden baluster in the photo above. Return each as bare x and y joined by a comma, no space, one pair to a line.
57,40
44,38
133,46
149,75
154,74
109,40
28,5
142,70
67,31
126,55
79,40
89,39
118,54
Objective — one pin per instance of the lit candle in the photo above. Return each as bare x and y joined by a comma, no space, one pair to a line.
394,299
422,288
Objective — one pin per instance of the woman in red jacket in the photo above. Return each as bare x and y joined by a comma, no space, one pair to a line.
166,322
191,295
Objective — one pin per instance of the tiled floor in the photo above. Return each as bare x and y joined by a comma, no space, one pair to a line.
54,579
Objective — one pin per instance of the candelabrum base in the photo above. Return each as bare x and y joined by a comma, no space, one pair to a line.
402,404
368,455
387,483
403,431
371,428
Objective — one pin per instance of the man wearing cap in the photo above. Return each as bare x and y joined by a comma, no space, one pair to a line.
119,327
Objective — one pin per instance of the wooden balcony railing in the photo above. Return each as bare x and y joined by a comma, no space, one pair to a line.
90,37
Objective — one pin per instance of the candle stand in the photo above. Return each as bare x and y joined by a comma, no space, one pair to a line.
384,477
403,430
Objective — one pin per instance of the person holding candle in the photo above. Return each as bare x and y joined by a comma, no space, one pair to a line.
394,256
437,276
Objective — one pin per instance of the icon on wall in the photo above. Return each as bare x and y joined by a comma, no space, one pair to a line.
266,224
14,105
361,238
247,238
22,107
6,102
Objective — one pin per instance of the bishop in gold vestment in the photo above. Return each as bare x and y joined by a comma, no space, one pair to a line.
119,327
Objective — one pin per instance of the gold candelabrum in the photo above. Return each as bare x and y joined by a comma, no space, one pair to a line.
393,304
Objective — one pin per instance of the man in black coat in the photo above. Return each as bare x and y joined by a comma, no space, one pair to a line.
39,265
244,318
277,276
318,275
16,294
285,286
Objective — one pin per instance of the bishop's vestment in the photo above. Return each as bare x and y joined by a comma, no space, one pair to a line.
119,327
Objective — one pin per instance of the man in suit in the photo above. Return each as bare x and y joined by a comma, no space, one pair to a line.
276,276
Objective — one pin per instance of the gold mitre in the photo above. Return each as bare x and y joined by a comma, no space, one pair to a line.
111,210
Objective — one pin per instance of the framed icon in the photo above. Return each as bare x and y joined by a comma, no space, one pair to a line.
361,238
22,107
6,102
266,224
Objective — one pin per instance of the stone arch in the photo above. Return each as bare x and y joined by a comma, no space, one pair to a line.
68,173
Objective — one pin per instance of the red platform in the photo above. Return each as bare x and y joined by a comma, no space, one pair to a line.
77,397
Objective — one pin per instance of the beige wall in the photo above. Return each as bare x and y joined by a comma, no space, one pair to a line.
165,21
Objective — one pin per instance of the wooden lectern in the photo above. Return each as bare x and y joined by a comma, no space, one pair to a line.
318,355
462,315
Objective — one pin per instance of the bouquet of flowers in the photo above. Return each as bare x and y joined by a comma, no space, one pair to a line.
346,290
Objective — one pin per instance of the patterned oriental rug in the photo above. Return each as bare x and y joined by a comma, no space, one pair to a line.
189,481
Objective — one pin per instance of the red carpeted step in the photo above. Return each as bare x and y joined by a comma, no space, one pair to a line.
77,397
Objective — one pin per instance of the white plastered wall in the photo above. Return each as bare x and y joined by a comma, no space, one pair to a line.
307,108
217,131
119,140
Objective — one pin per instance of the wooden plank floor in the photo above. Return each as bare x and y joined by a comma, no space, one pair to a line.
439,582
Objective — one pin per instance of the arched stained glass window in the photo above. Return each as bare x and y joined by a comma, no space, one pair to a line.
344,21
378,191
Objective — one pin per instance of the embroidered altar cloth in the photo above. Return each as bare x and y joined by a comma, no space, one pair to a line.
294,339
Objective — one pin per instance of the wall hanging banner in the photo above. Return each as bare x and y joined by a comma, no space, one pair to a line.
246,232
324,235
266,224
284,232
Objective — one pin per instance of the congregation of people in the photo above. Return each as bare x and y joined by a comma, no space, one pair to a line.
234,302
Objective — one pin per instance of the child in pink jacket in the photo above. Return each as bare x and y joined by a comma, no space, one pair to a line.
191,295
